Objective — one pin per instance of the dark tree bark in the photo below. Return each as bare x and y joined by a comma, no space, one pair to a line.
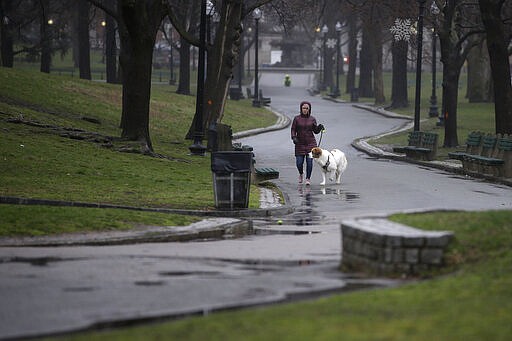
455,44
184,16
221,60
84,48
138,25
479,85
46,35
376,61
497,45
6,32
399,96
365,66
111,49
222,56
184,70
352,52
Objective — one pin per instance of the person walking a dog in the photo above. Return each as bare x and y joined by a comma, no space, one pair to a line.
304,126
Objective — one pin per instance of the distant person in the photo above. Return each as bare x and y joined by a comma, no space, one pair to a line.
304,127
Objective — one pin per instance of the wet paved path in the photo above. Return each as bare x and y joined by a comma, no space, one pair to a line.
50,290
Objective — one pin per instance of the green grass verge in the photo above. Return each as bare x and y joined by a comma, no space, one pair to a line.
38,159
472,302
19,220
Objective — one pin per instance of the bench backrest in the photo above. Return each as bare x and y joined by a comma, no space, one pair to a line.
488,144
474,142
428,139
505,143
503,146
415,138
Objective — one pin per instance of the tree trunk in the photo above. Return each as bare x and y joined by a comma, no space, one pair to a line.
500,66
222,57
6,31
184,77
450,100
378,81
453,56
84,56
139,22
46,38
352,53
399,96
479,85
111,49
365,67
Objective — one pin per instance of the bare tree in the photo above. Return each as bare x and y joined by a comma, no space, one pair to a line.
84,48
399,97
457,32
493,13
479,84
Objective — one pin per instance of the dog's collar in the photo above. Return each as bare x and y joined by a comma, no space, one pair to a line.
327,163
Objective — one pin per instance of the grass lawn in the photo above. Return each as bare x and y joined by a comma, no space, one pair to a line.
53,131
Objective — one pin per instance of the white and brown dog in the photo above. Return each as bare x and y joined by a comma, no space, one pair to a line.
331,162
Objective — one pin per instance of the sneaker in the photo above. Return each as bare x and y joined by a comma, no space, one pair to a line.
300,178
308,182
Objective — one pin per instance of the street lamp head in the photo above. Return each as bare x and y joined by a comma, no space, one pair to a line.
338,27
317,29
256,14
50,21
325,29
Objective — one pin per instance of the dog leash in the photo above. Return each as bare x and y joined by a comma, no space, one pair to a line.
321,135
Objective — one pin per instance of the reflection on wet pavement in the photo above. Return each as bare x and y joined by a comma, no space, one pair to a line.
305,211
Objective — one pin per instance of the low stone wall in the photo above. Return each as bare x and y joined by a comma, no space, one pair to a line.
383,247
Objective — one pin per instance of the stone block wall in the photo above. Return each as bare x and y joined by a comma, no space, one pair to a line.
383,247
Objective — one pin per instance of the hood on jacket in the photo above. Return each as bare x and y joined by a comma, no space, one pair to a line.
300,107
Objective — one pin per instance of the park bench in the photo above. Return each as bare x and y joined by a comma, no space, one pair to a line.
377,245
265,173
495,159
473,145
262,99
470,161
421,146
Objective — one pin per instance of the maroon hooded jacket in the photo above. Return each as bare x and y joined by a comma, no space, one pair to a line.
303,127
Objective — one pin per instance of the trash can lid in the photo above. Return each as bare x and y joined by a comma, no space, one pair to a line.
231,162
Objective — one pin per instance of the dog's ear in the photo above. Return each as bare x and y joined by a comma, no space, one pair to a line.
316,152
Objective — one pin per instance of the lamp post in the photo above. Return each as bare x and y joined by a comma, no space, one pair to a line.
433,112
338,33
433,99
418,66
325,30
197,148
257,16
241,68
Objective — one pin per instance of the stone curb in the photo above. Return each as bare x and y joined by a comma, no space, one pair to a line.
212,228
283,121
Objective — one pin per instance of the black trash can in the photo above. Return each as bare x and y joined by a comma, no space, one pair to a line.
231,178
